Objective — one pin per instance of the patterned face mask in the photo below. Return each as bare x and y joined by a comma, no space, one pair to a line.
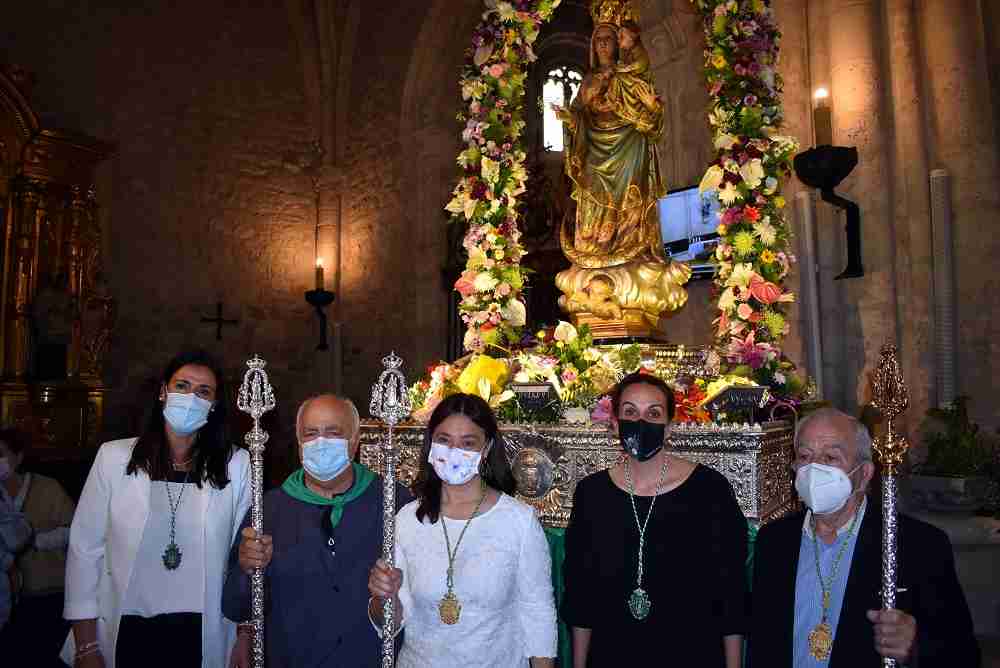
454,465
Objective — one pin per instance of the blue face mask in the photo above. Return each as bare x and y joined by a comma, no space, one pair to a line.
325,458
186,413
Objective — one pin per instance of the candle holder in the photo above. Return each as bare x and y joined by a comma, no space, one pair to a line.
320,299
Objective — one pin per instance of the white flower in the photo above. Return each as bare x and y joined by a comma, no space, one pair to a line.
729,194
766,232
727,300
515,313
779,378
522,377
752,172
712,179
770,185
725,141
484,282
490,170
565,332
741,276
719,117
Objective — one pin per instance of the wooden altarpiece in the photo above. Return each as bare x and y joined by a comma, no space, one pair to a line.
56,317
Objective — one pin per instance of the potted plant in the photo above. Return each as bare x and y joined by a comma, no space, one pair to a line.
953,477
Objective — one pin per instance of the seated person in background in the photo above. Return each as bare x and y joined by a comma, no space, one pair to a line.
14,535
817,575
37,629
324,528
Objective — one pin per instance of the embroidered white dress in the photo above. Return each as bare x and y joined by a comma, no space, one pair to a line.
502,579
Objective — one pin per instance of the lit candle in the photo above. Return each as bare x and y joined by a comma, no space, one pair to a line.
822,119
319,273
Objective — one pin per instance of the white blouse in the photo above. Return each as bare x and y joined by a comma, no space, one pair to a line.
503,580
152,589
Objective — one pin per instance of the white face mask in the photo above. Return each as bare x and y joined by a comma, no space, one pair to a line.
824,489
186,413
455,466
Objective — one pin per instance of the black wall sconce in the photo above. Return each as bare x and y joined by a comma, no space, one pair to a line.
824,168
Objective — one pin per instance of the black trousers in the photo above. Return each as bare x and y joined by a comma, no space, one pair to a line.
167,641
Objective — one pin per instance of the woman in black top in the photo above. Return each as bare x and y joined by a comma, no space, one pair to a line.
683,603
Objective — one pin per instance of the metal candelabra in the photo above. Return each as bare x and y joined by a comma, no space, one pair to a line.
391,404
890,397
256,398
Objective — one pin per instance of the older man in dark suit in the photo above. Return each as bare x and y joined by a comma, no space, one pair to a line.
817,576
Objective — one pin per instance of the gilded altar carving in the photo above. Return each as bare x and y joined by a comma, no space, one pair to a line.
57,317
548,461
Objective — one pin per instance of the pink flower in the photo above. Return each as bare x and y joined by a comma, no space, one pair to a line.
464,284
744,310
602,410
732,215
569,375
474,107
765,292
496,71
716,87
503,289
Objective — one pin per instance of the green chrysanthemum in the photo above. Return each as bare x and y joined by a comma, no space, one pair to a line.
743,243
775,323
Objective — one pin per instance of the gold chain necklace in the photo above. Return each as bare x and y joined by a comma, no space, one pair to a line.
821,637
450,609
639,603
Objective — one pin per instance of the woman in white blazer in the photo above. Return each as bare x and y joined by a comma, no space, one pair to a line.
151,536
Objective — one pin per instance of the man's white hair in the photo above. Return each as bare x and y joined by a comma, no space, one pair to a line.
862,439
355,416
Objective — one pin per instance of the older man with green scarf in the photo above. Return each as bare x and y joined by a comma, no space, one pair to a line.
323,528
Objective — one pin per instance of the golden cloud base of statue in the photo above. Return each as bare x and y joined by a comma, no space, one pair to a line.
626,301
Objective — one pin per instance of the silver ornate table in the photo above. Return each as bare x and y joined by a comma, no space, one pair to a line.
548,460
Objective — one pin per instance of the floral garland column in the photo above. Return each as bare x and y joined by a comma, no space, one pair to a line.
493,174
753,160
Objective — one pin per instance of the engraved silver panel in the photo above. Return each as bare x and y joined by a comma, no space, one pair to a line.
548,461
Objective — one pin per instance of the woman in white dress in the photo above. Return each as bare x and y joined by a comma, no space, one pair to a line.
473,572
150,540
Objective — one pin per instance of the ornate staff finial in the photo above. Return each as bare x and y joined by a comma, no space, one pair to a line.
890,396
390,397
391,404
256,397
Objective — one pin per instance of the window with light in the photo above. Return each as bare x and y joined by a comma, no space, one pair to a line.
560,86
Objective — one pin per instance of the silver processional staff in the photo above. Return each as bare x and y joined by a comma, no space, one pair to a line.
391,404
256,397
890,396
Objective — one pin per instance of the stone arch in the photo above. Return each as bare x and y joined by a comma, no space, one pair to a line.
429,137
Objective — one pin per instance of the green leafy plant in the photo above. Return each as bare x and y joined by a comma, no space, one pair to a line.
955,446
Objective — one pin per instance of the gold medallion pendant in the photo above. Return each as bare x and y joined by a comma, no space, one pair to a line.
821,641
449,608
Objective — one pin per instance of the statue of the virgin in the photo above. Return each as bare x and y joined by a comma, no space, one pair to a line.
621,281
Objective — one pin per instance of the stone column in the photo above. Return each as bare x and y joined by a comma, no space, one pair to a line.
963,140
911,207
857,82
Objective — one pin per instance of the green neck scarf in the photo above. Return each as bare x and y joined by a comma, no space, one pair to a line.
295,487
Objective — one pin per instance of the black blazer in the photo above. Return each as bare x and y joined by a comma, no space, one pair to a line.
933,596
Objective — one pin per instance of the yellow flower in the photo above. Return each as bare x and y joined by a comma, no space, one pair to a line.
483,367
719,61
767,257
540,334
779,202
743,243
722,229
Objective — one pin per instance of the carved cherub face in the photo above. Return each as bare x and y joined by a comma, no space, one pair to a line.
599,288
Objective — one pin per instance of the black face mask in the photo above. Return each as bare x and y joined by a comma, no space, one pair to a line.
641,439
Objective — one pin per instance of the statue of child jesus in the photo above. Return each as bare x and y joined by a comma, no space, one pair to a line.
630,88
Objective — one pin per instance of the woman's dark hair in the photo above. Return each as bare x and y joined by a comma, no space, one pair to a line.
640,378
211,450
494,469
